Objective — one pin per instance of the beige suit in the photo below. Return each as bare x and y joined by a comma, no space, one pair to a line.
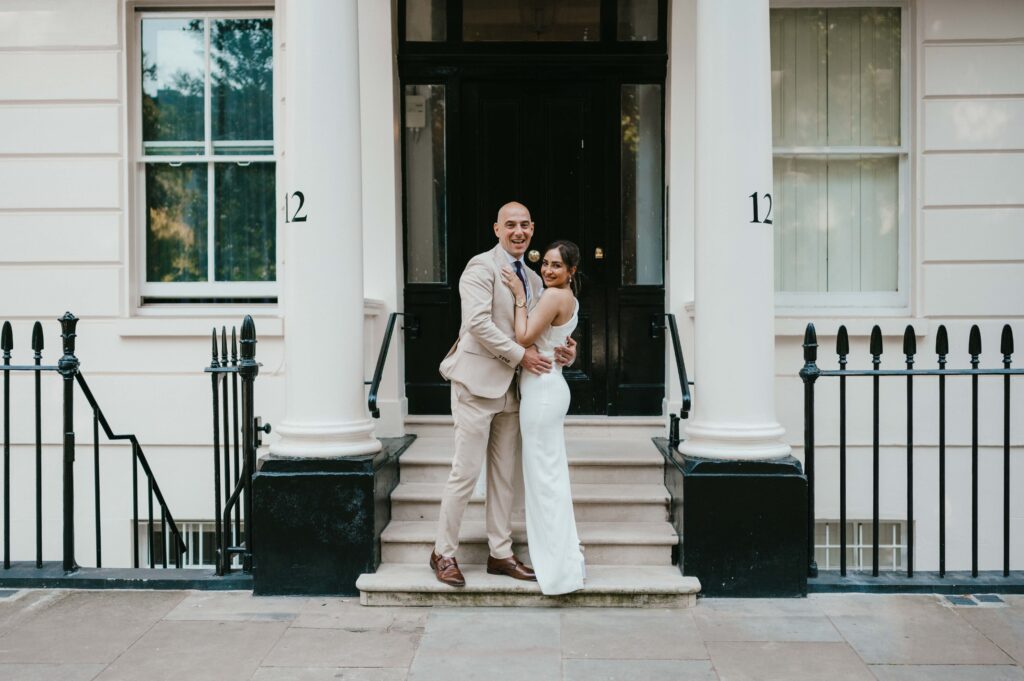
485,404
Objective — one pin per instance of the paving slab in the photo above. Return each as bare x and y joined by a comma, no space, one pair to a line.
49,672
631,634
768,619
959,672
347,613
630,670
329,674
787,661
489,644
198,651
909,630
26,604
91,626
1003,626
236,606
342,648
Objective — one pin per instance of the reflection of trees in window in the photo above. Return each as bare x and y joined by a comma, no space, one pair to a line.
244,231
172,104
176,223
241,56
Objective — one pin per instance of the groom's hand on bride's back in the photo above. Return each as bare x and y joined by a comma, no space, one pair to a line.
565,355
534,362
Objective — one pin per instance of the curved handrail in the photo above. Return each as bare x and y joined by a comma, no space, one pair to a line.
677,350
382,358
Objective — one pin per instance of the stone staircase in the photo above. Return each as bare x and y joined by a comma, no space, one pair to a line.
621,507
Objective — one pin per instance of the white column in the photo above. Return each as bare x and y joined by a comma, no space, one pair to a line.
325,411
734,398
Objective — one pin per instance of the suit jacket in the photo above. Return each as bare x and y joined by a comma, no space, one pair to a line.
485,355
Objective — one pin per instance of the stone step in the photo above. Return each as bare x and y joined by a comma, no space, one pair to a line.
605,543
591,460
633,586
591,502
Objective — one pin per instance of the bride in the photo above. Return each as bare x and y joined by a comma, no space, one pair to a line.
550,523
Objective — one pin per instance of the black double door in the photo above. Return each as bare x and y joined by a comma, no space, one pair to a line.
554,146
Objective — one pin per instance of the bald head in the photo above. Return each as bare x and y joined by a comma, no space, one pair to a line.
514,228
512,206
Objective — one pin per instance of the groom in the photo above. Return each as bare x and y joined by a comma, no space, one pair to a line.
482,368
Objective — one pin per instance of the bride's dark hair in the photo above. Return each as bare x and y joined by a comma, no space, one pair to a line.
570,253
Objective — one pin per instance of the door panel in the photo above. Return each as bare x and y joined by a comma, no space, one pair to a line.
553,146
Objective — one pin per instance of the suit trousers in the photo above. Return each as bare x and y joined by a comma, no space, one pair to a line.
484,427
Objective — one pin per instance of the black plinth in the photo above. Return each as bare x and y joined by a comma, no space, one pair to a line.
318,521
743,524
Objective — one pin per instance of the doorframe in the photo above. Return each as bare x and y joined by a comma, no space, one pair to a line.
607,62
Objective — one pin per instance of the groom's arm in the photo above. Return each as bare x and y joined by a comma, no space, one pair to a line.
476,287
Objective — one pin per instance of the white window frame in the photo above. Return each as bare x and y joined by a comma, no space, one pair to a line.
862,549
196,289
815,303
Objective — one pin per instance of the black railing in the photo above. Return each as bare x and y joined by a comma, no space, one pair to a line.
811,372
68,368
234,538
412,330
658,326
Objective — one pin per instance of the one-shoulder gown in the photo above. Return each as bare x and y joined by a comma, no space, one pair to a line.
550,522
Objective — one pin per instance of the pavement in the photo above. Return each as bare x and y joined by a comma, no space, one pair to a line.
72,635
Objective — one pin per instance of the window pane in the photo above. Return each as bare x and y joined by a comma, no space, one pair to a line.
176,222
426,20
836,222
531,20
638,20
173,77
425,184
641,191
244,235
836,76
242,79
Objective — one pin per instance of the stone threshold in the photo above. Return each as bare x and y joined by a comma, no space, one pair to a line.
606,586
25,575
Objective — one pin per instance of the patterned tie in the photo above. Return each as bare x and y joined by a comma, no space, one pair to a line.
522,278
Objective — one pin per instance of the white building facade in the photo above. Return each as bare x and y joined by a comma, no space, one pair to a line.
156,181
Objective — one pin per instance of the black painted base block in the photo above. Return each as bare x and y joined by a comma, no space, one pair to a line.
318,521
743,524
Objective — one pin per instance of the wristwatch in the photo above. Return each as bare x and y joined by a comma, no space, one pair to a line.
522,304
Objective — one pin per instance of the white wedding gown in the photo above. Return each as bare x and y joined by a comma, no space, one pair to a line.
550,523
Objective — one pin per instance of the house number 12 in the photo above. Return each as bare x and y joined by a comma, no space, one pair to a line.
768,216
297,215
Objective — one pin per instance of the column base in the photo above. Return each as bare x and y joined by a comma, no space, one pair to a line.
744,525
318,520
328,440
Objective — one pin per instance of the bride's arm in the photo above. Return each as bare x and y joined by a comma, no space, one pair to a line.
529,327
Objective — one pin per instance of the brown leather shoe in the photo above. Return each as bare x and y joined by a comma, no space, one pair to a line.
511,567
446,570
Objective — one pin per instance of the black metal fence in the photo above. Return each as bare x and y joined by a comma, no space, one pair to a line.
234,463
69,370
810,373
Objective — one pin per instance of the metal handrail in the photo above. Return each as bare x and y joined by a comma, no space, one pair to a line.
382,357
677,350
684,382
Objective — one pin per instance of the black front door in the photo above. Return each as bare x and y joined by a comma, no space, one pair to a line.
556,146
536,143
